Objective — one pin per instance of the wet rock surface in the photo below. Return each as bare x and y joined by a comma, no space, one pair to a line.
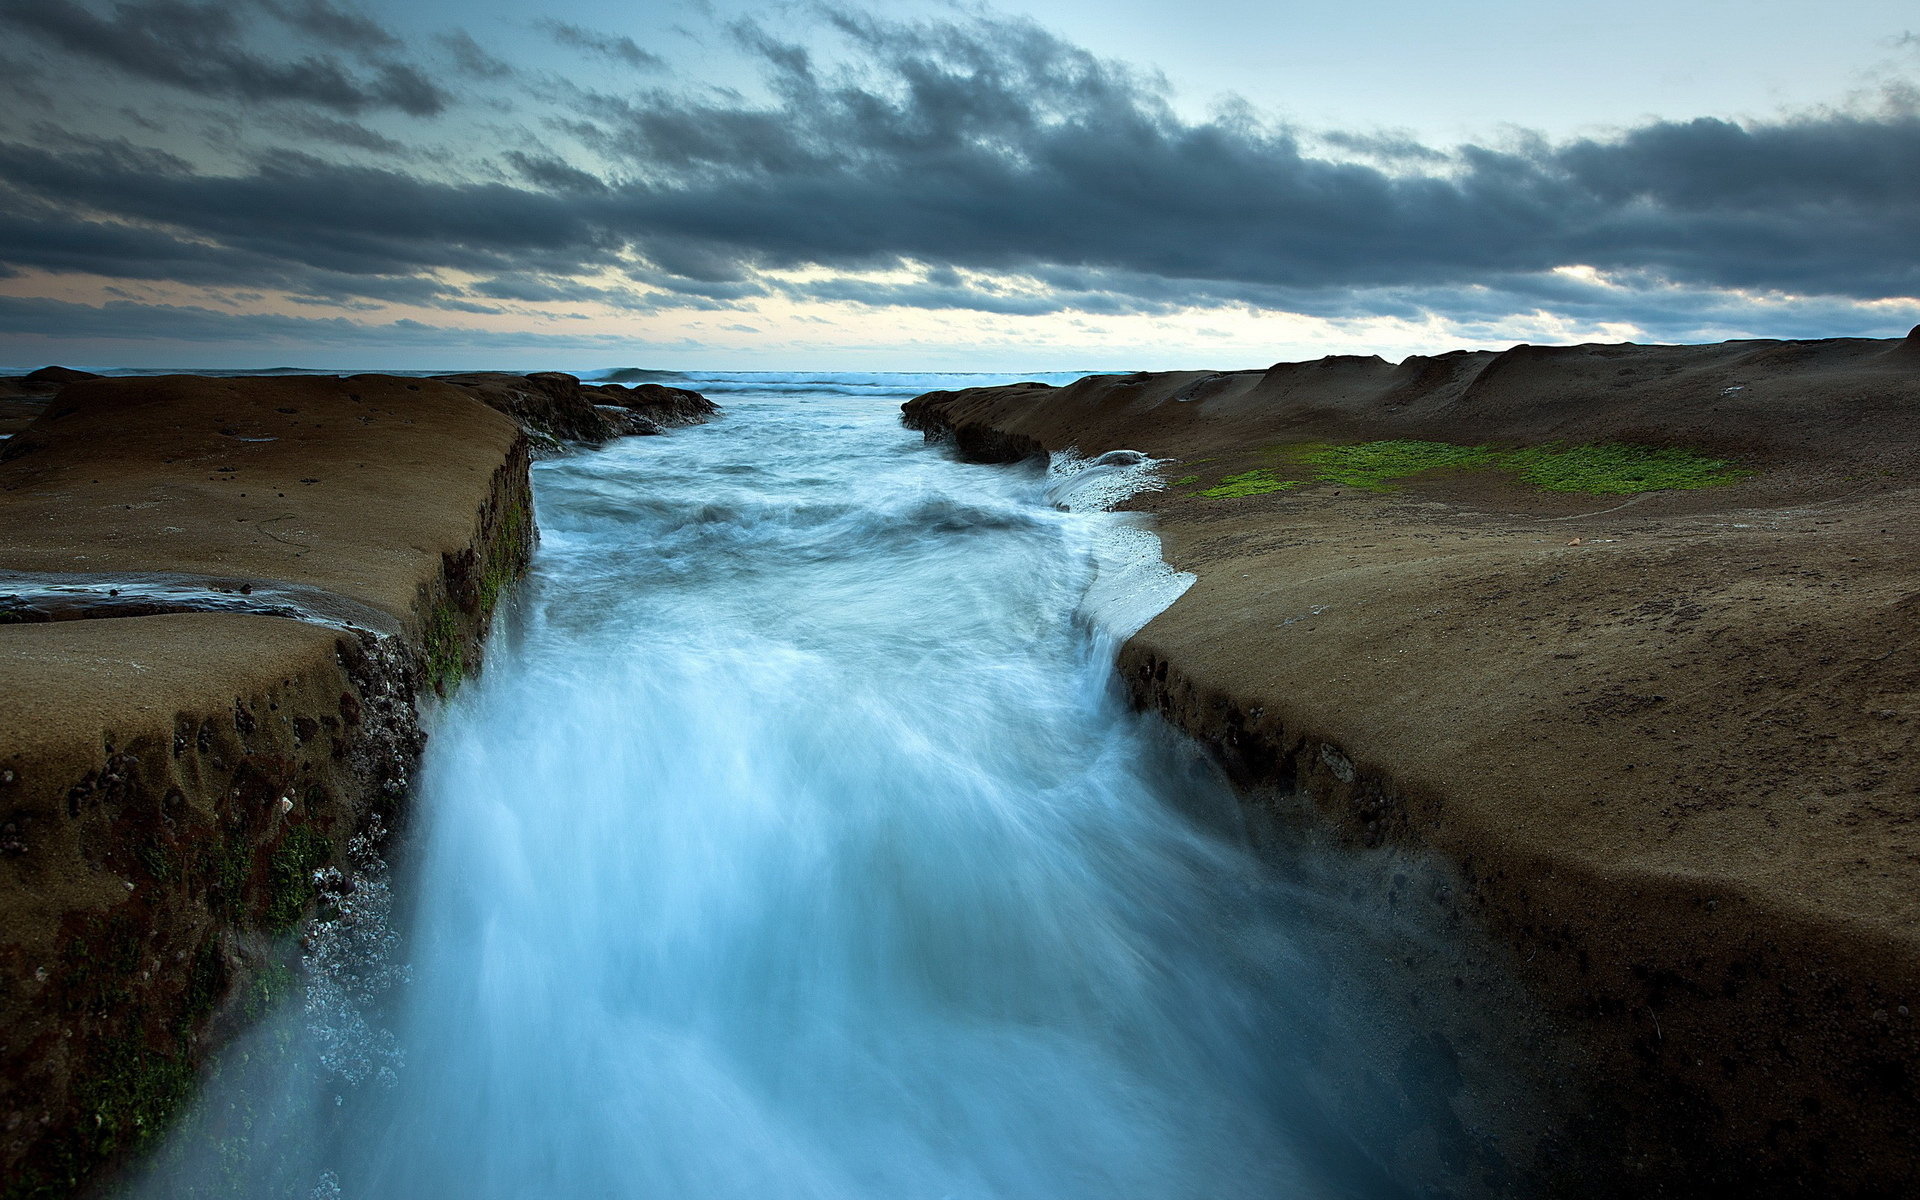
1667,741
557,407
219,599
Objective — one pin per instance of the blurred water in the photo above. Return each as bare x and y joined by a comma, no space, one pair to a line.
797,843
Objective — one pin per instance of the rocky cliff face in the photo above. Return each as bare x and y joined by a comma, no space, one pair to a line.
1665,739
219,600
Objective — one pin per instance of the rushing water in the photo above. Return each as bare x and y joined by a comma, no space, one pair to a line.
796,842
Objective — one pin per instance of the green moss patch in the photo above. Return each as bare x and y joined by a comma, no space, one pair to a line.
1373,466
291,874
506,557
445,654
229,864
132,1092
1609,469
1619,470
271,984
1250,483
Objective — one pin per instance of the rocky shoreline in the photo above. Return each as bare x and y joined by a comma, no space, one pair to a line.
1662,740
290,565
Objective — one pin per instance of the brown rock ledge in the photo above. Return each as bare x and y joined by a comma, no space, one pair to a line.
1666,743
553,406
169,782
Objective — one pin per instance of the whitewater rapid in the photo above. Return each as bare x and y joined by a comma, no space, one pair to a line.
796,842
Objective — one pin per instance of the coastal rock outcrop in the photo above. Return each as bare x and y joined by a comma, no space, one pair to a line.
1665,739
309,554
666,406
23,396
57,375
556,407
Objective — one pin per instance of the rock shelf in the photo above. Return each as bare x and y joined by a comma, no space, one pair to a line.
220,601
1666,742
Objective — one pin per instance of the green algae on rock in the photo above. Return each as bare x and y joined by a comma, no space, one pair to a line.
1374,466
1257,482
1612,468
1618,469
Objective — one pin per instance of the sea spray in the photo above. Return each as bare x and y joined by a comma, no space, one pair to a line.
1128,582
351,958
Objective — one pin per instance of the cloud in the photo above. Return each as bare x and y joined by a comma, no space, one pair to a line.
1661,309
472,58
550,289
311,213
978,163
996,145
133,321
130,321
620,49
336,24
205,49
552,174
340,132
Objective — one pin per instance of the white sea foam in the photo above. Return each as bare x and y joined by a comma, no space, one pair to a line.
1130,582
352,960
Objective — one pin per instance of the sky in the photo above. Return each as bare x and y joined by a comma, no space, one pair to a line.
1056,185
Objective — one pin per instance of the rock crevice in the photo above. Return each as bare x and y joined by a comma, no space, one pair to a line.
289,564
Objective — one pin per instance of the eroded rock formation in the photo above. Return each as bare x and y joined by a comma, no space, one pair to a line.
170,782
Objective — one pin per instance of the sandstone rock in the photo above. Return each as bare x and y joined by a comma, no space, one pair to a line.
58,375
170,781
664,405
558,406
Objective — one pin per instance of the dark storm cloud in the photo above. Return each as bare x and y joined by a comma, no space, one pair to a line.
946,294
1384,147
552,174
996,145
335,24
313,213
550,289
208,49
1481,309
1710,165
1011,171
472,58
619,49
52,242
340,133
132,321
